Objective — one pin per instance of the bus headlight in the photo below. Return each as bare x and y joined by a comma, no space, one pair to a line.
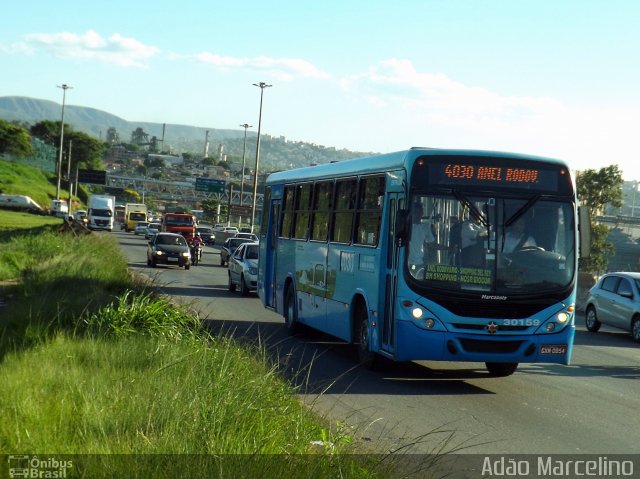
417,313
550,327
562,317
429,323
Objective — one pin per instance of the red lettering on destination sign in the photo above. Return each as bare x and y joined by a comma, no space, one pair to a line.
521,175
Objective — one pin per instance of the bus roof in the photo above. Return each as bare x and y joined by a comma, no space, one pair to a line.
389,162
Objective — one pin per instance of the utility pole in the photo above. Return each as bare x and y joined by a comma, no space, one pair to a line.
262,86
69,174
244,150
64,87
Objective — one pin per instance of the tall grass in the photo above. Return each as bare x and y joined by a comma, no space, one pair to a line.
90,363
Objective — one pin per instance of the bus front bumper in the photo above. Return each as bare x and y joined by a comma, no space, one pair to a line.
414,343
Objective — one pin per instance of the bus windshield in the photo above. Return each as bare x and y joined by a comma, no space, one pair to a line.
499,245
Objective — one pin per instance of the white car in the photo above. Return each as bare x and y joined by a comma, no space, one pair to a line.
141,227
152,230
251,236
243,268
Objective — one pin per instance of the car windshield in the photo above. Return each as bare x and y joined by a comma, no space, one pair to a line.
171,240
252,252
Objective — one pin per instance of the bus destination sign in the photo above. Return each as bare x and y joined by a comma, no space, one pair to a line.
487,173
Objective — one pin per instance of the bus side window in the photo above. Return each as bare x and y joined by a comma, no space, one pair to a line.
369,215
287,212
302,206
320,211
344,211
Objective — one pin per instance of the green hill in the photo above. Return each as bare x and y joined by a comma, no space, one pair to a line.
276,153
19,179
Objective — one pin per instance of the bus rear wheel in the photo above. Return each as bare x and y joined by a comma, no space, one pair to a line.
363,337
500,370
290,312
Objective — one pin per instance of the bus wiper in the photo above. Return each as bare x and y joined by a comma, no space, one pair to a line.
475,212
514,217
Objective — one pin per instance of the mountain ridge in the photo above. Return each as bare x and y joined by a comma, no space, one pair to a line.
275,151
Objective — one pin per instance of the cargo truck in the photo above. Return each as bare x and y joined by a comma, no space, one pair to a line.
180,223
134,212
59,208
101,212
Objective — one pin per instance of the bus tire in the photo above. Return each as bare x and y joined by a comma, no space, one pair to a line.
500,370
366,357
291,312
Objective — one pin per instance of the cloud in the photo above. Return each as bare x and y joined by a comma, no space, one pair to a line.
284,69
116,49
396,82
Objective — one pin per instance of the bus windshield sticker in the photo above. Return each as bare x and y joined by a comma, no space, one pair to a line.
440,272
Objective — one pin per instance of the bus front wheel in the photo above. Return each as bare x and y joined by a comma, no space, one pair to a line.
501,369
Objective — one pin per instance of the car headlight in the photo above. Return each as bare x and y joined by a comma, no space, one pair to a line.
186,254
253,271
159,252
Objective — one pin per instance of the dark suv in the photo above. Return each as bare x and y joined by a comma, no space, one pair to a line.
207,234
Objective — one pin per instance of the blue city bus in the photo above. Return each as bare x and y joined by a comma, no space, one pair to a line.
411,255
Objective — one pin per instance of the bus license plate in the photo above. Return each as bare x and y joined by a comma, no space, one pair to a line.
553,349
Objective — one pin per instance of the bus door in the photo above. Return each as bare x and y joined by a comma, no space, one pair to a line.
271,254
395,201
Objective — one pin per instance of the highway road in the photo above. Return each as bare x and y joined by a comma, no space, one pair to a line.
590,407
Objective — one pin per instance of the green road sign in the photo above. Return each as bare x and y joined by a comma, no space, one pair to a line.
210,185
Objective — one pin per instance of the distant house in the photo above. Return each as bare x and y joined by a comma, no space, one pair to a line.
169,160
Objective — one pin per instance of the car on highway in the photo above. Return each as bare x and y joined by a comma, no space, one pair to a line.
152,230
169,249
140,228
229,246
615,301
251,236
243,268
207,234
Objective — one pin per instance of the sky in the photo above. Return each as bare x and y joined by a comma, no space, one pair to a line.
557,78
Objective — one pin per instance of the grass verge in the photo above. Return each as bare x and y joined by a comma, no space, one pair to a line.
91,363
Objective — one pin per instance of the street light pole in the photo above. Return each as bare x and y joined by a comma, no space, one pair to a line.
244,150
262,86
64,87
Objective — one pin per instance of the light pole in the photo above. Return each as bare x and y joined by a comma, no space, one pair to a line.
262,85
64,87
244,150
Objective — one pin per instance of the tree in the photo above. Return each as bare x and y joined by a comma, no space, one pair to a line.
48,131
86,151
596,189
210,209
14,140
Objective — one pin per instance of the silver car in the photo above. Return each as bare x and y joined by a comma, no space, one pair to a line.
243,268
615,301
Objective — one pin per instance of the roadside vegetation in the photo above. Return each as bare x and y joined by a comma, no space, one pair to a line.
93,362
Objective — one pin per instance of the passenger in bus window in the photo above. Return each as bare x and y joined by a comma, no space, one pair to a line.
472,235
516,238
423,238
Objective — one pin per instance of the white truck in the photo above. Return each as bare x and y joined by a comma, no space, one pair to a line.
101,212
59,208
